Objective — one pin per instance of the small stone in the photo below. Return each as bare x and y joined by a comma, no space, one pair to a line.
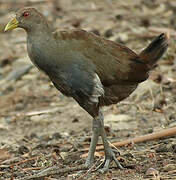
152,172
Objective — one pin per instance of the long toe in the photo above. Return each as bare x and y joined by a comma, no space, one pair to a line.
104,166
89,163
118,163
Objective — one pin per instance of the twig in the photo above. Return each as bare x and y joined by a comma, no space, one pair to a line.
21,169
45,111
116,149
89,170
24,161
6,163
55,170
148,137
32,168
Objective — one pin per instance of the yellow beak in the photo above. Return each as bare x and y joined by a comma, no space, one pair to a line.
12,24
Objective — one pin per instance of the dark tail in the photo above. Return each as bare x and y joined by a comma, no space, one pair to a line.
155,50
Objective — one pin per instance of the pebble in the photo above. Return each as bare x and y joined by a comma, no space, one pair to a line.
151,171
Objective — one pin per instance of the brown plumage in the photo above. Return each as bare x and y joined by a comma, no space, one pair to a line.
94,71
119,68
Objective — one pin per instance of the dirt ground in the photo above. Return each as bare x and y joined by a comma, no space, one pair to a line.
40,128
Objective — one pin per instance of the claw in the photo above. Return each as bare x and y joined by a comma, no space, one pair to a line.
100,166
98,130
104,166
118,164
88,163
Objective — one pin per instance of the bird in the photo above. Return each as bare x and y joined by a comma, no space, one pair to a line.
94,71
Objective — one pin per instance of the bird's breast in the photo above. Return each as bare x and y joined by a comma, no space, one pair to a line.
40,55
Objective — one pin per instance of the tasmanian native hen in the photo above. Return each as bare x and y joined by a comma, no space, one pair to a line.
94,71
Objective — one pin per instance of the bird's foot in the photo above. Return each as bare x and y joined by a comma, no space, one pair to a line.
89,162
110,156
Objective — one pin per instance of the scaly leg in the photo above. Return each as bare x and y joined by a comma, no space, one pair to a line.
109,154
93,144
98,130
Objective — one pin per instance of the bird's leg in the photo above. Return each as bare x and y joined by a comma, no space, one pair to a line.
109,154
94,140
98,130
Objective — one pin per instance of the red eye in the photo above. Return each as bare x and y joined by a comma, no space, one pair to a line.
26,14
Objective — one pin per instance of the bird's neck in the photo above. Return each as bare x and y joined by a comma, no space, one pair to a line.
40,36
40,47
38,31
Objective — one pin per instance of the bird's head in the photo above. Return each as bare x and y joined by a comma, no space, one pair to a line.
28,19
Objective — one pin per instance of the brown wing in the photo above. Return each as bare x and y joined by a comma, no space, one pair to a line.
115,63
119,68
